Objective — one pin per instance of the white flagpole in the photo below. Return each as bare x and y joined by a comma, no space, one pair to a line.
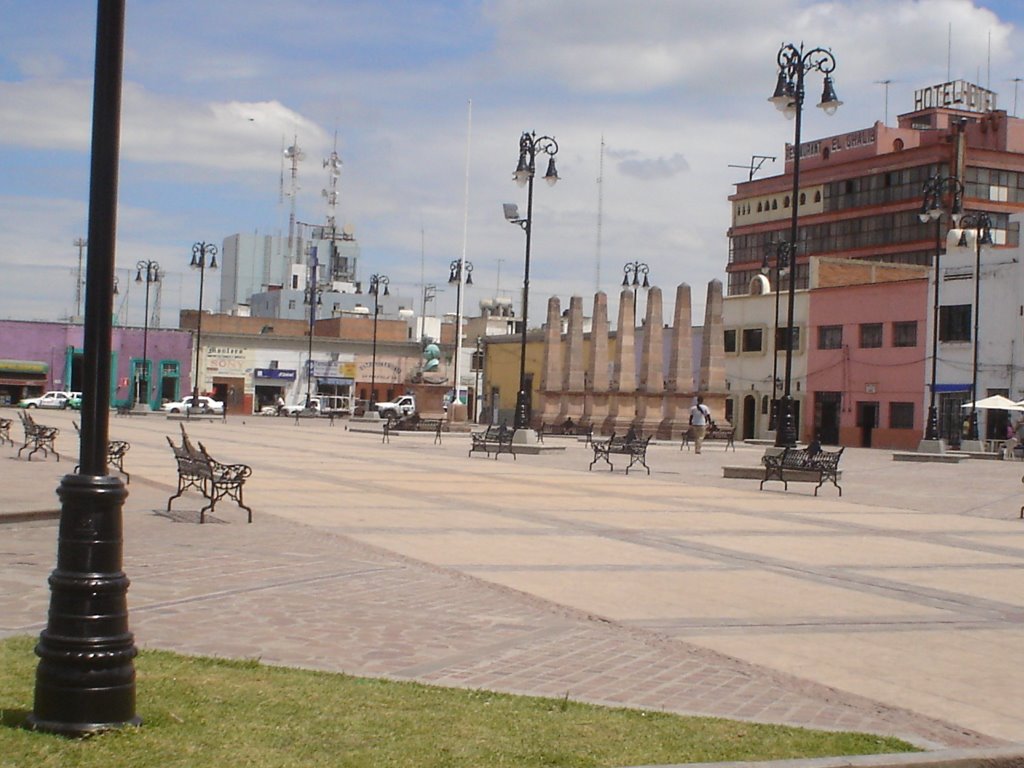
462,263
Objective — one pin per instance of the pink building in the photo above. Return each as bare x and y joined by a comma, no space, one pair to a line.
867,355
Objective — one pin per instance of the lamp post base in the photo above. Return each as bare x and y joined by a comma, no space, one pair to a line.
931,446
522,418
932,432
85,680
786,437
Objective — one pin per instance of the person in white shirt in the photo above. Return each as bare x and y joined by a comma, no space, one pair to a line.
700,417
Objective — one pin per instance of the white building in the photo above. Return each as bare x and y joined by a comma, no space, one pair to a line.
1000,324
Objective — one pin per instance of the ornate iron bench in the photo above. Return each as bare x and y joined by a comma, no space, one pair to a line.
116,450
577,430
799,464
496,439
5,432
38,437
716,432
635,448
214,480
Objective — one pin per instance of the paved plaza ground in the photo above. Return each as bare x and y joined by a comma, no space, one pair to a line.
896,609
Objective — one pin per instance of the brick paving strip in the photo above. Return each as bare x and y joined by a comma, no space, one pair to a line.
323,596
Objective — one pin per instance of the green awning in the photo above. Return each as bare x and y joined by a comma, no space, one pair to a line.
23,366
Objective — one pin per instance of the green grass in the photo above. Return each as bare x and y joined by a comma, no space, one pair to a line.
200,712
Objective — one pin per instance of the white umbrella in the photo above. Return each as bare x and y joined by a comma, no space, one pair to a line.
995,402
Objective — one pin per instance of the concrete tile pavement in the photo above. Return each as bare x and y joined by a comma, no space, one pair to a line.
896,609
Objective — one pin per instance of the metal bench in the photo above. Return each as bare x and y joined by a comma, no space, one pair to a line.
5,432
634,447
116,450
496,439
801,465
38,437
214,480
574,430
713,433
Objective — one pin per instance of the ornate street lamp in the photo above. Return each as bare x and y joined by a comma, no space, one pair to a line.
460,272
635,268
200,251
936,189
378,283
313,299
152,271
982,226
788,98
85,679
782,254
529,146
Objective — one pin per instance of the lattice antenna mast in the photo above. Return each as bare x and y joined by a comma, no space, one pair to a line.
80,243
294,155
158,284
333,166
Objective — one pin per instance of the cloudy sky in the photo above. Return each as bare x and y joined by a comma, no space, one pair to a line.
676,88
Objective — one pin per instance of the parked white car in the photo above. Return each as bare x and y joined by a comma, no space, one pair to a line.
203,405
54,399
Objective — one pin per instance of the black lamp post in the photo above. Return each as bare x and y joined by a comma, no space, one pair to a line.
152,271
935,190
529,145
460,272
635,268
982,226
377,284
794,63
782,254
199,253
85,680
313,299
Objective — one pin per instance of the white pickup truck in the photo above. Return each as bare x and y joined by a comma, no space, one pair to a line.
397,408
321,405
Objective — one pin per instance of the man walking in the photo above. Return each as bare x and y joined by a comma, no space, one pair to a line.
700,417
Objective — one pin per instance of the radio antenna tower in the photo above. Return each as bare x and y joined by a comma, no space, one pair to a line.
80,243
294,154
333,164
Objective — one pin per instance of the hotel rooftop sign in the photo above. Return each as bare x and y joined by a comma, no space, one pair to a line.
958,94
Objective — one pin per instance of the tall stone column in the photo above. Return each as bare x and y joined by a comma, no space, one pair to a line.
595,403
652,368
622,405
712,354
551,372
679,384
572,368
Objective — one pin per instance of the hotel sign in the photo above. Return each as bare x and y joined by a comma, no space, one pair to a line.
958,94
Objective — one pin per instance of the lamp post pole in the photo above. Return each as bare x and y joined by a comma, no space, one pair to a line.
782,254
794,63
152,270
377,282
935,189
635,268
982,226
85,679
460,272
200,252
313,299
529,145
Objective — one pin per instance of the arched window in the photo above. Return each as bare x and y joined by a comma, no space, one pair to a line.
775,204
817,196
785,202
803,198
759,206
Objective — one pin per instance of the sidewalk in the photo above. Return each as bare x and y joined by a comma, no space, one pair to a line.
897,609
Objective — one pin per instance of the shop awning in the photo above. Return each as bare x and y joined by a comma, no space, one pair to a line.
24,367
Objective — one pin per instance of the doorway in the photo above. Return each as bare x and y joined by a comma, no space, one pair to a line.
867,421
749,416
827,408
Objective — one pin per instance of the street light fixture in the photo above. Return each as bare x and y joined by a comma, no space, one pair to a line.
982,226
529,145
932,208
313,298
460,272
152,271
200,252
782,254
635,268
788,98
377,284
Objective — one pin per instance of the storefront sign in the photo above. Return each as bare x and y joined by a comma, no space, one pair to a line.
840,143
958,94
322,368
282,374
23,366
